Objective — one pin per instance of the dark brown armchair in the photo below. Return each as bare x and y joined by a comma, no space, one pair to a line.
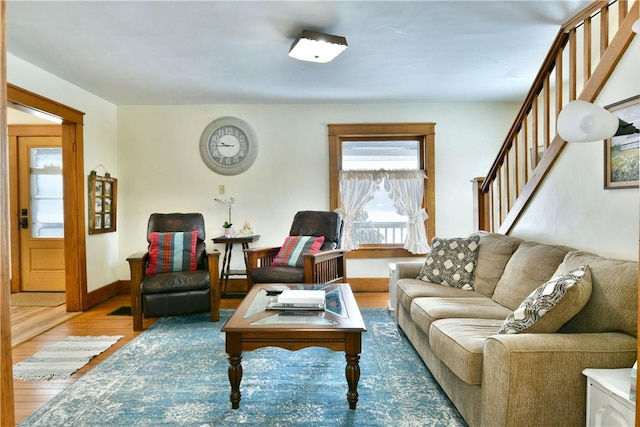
328,265
176,276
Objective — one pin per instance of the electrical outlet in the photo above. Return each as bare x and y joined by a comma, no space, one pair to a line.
221,189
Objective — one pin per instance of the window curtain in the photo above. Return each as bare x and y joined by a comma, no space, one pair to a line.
357,188
405,187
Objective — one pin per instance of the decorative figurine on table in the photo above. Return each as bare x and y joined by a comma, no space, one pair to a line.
247,230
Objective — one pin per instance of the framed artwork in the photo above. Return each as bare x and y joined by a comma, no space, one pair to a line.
621,168
103,191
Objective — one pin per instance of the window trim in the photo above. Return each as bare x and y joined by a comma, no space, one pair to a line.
424,132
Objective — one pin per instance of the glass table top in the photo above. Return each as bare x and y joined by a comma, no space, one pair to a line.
334,306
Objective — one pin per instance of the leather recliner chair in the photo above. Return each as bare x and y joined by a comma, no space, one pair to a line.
191,286
328,265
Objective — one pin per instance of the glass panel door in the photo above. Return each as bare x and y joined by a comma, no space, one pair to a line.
47,209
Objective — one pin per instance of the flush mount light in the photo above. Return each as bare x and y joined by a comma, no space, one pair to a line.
317,47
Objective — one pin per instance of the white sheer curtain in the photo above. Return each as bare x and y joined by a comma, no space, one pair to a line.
405,187
356,190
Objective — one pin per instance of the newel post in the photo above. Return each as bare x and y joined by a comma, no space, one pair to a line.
480,206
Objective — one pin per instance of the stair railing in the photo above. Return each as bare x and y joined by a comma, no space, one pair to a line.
582,56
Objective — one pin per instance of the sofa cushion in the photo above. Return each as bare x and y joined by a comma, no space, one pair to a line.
451,262
459,344
530,265
408,289
291,253
169,252
614,296
493,254
552,304
425,311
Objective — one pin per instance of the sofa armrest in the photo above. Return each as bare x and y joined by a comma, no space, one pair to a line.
408,269
536,379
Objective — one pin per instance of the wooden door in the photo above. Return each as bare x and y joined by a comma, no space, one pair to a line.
41,213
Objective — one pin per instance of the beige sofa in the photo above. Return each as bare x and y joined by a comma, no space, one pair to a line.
524,379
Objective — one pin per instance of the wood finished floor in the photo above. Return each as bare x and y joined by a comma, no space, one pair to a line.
31,395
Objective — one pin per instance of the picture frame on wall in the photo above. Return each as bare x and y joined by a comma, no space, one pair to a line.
621,165
103,192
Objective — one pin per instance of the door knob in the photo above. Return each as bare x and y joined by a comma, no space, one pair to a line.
24,222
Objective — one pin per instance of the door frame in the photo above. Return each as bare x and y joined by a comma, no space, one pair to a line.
73,192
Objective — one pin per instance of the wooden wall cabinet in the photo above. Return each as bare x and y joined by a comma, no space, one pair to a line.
103,192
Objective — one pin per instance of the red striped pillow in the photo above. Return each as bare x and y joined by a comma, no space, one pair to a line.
294,247
172,252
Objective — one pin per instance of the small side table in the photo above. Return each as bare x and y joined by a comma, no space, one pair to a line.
608,402
226,260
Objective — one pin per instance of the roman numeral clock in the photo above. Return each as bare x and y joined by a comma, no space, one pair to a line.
228,146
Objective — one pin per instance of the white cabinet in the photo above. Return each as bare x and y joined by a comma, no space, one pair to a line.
393,278
608,403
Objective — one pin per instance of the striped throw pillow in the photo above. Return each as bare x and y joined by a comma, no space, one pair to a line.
294,247
170,252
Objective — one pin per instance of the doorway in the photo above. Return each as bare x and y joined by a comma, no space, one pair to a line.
73,177
36,174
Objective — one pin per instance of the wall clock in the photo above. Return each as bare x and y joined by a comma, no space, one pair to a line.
228,146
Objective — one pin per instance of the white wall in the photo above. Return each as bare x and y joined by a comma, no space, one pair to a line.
103,258
153,151
161,169
572,208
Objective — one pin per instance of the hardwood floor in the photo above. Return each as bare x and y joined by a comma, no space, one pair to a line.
31,395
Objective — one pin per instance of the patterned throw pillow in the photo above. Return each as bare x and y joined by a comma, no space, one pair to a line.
170,252
552,304
294,247
451,262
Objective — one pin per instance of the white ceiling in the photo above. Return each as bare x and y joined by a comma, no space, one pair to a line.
216,52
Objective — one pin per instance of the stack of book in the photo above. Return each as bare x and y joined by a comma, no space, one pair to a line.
295,299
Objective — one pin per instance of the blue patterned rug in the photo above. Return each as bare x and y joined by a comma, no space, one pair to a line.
175,374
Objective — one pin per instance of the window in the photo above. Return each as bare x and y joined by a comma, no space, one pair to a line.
380,231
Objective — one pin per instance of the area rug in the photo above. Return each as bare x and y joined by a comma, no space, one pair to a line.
62,359
175,374
38,299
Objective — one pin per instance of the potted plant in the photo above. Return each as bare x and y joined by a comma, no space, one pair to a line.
228,226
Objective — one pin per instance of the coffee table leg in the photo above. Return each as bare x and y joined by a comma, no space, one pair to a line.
352,371
235,376
353,376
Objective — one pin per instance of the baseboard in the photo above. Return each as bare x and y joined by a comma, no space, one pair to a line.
102,294
369,284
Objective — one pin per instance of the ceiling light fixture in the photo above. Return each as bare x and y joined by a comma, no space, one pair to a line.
582,121
317,47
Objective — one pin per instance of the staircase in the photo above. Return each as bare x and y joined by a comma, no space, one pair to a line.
582,57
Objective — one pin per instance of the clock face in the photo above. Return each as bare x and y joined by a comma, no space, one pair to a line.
228,146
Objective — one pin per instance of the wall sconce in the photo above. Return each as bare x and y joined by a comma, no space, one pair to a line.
581,121
317,47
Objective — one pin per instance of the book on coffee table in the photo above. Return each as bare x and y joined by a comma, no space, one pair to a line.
296,299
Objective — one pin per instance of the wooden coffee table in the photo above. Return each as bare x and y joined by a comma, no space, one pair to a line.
339,327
